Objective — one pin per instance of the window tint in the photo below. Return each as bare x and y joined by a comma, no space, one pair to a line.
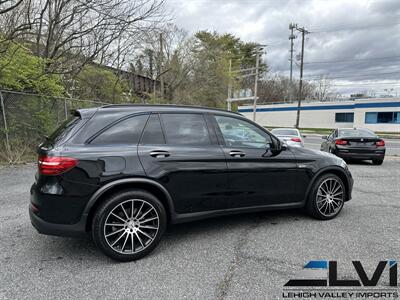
153,134
360,132
185,129
240,133
344,117
64,130
125,132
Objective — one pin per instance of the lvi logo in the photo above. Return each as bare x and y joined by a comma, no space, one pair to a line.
325,268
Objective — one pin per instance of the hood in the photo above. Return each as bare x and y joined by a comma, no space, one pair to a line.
304,152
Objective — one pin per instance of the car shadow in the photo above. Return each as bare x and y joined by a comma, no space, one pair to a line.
359,162
84,249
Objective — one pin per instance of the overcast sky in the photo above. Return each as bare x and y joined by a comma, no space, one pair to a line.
358,41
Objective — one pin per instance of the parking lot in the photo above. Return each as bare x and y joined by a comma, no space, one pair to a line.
242,256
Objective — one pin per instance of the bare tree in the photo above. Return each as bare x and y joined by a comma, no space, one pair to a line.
8,5
70,33
15,19
322,88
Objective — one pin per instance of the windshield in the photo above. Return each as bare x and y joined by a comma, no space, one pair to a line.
356,133
284,132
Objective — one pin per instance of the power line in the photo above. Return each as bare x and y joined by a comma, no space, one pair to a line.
352,60
353,75
368,83
355,28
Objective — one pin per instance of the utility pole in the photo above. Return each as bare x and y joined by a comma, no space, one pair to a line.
256,83
255,71
230,86
161,67
303,33
292,26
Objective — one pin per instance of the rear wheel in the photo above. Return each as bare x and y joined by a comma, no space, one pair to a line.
129,225
377,161
327,197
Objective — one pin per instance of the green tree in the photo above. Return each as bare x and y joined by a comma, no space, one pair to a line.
20,70
99,83
208,79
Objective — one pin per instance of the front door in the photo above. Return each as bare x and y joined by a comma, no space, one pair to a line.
186,159
257,177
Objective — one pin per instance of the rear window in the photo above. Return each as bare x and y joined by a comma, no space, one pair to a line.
284,132
64,131
356,133
124,132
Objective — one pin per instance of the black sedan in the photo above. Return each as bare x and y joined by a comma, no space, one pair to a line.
355,143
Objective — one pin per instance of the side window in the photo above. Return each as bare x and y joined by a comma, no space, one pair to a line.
152,134
240,133
185,129
125,132
330,137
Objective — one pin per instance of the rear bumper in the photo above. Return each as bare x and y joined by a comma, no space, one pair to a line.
350,153
43,227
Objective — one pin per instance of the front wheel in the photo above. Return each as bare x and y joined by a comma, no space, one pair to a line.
326,198
129,225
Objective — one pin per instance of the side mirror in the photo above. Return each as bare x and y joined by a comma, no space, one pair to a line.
277,146
324,137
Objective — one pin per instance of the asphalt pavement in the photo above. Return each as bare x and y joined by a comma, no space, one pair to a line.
249,256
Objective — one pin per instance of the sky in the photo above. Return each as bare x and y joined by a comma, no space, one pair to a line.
355,43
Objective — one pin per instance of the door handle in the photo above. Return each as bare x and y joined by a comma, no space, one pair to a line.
236,153
159,153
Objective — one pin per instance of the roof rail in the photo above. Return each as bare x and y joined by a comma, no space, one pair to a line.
167,105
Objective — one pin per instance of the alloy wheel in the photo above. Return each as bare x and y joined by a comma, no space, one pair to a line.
330,197
131,226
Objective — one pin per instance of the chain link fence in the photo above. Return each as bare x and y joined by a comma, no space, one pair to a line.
26,118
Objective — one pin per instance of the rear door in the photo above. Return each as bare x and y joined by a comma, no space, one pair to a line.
256,176
180,150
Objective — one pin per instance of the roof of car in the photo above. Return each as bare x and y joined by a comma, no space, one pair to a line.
355,128
285,128
134,108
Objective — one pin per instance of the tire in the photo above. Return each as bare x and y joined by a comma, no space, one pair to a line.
319,205
130,236
377,162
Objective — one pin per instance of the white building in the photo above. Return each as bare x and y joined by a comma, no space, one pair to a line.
377,114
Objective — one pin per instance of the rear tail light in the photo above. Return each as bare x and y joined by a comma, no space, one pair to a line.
341,142
296,139
55,165
380,143
35,209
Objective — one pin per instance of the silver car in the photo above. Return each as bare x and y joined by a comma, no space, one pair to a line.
291,136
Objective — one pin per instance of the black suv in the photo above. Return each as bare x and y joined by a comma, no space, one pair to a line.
123,172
